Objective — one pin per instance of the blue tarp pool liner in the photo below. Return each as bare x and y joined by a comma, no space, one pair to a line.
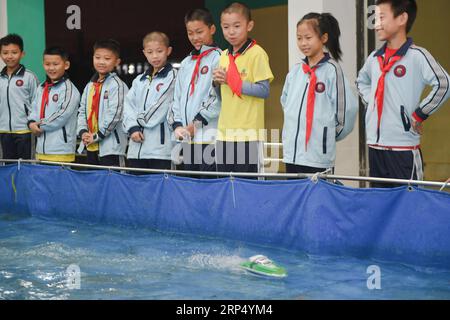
410,226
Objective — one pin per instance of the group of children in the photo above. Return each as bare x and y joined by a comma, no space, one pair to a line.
214,103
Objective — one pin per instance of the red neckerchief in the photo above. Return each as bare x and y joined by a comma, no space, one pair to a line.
95,106
234,80
385,66
389,53
197,67
311,100
44,101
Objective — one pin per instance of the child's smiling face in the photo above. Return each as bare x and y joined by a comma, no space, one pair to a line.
387,25
55,66
105,61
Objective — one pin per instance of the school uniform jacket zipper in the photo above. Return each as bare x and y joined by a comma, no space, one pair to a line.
146,97
185,106
9,106
117,136
145,103
64,134
162,133
43,143
298,124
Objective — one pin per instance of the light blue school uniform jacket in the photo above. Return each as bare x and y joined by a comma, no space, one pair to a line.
404,85
111,137
146,108
334,115
59,124
16,95
203,104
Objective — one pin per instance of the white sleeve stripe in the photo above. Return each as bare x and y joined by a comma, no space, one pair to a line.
442,79
119,111
446,80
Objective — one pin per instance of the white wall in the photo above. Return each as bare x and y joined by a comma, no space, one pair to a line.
3,18
296,10
3,23
3,32
347,158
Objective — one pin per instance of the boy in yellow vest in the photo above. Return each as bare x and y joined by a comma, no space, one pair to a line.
244,77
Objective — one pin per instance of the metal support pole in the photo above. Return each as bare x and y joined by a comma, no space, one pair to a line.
442,185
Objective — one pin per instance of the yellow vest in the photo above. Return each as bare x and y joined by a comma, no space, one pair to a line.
93,147
242,118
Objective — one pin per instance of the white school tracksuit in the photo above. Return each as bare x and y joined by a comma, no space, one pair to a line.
59,122
146,107
112,139
403,89
394,146
334,115
16,95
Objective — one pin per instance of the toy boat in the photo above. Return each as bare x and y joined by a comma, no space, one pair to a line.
261,265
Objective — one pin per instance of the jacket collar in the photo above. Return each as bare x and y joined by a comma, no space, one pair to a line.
96,76
160,74
400,52
243,49
203,49
19,72
64,78
323,60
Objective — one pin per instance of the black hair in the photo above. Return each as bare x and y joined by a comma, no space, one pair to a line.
110,44
12,39
325,23
57,51
238,7
401,6
199,14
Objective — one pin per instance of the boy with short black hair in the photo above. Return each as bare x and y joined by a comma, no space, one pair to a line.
101,109
391,84
53,117
244,77
18,86
196,107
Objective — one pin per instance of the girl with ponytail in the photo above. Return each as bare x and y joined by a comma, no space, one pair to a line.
318,104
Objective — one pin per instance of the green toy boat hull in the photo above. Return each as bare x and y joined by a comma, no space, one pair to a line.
273,271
